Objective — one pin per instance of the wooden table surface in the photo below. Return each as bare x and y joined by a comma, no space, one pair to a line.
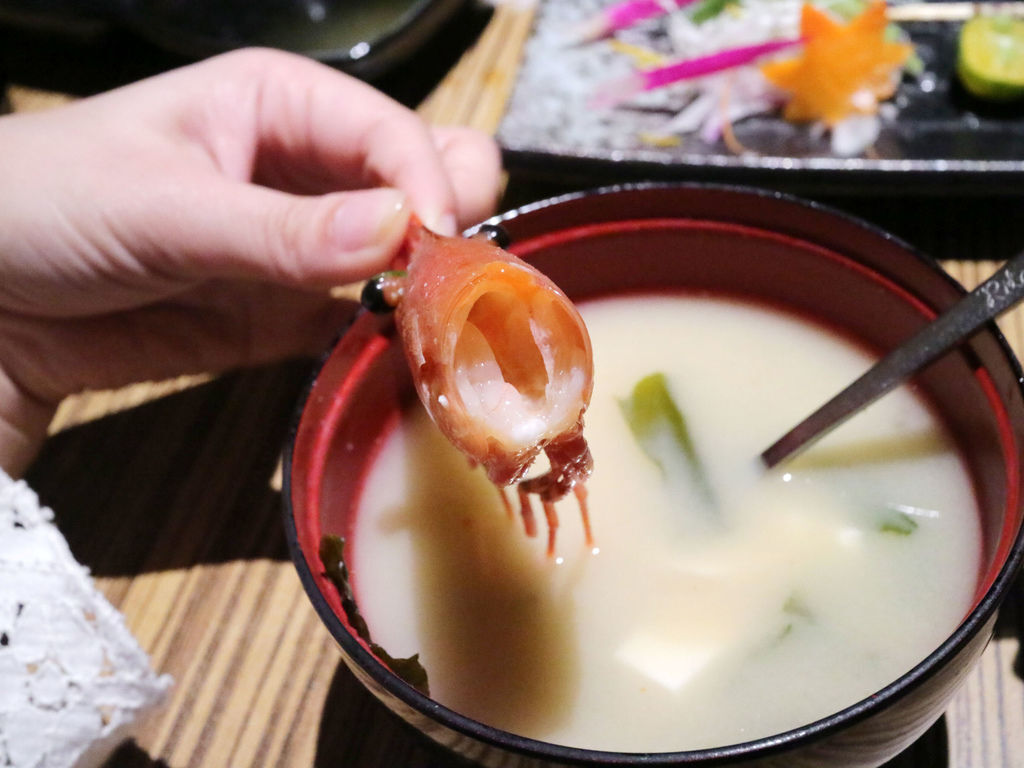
169,492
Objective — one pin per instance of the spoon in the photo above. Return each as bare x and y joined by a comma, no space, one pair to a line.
990,299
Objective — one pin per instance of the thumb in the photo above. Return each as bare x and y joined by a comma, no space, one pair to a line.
252,232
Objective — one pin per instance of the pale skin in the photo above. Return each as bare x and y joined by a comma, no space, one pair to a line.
196,222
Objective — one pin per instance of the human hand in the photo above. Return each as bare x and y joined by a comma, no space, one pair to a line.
195,221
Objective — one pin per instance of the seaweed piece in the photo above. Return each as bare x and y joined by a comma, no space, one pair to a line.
795,611
796,607
899,523
332,556
651,413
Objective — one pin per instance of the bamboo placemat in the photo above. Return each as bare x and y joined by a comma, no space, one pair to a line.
167,491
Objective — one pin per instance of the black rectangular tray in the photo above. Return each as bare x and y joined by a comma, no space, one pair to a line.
940,140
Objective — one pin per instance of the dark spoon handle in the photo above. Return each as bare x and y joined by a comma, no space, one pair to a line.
990,299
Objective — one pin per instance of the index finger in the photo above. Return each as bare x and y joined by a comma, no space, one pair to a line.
316,130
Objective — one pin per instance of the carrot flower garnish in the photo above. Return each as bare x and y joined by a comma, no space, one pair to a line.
842,69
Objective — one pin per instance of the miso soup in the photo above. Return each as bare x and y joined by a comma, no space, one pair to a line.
720,603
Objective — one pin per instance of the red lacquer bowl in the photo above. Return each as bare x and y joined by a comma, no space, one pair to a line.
768,247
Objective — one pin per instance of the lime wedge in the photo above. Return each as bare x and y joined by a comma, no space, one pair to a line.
990,59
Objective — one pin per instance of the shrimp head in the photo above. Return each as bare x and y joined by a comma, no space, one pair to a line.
501,360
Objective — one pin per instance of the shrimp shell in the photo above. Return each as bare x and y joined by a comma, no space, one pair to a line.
502,362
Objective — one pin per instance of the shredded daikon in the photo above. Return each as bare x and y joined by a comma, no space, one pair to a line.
734,30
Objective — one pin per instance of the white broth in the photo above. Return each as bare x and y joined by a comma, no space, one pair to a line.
691,624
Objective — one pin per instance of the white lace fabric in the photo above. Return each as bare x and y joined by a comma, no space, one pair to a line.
73,679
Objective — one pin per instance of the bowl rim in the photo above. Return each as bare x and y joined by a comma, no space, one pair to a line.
973,622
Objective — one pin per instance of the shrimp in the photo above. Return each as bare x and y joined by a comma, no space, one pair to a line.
500,359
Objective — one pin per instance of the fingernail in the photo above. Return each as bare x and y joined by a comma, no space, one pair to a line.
448,225
442,223
368,218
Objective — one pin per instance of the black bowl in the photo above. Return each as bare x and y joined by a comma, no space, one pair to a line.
363,37
764,245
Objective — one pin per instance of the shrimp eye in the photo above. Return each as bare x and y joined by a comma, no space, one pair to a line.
494,234
383,291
